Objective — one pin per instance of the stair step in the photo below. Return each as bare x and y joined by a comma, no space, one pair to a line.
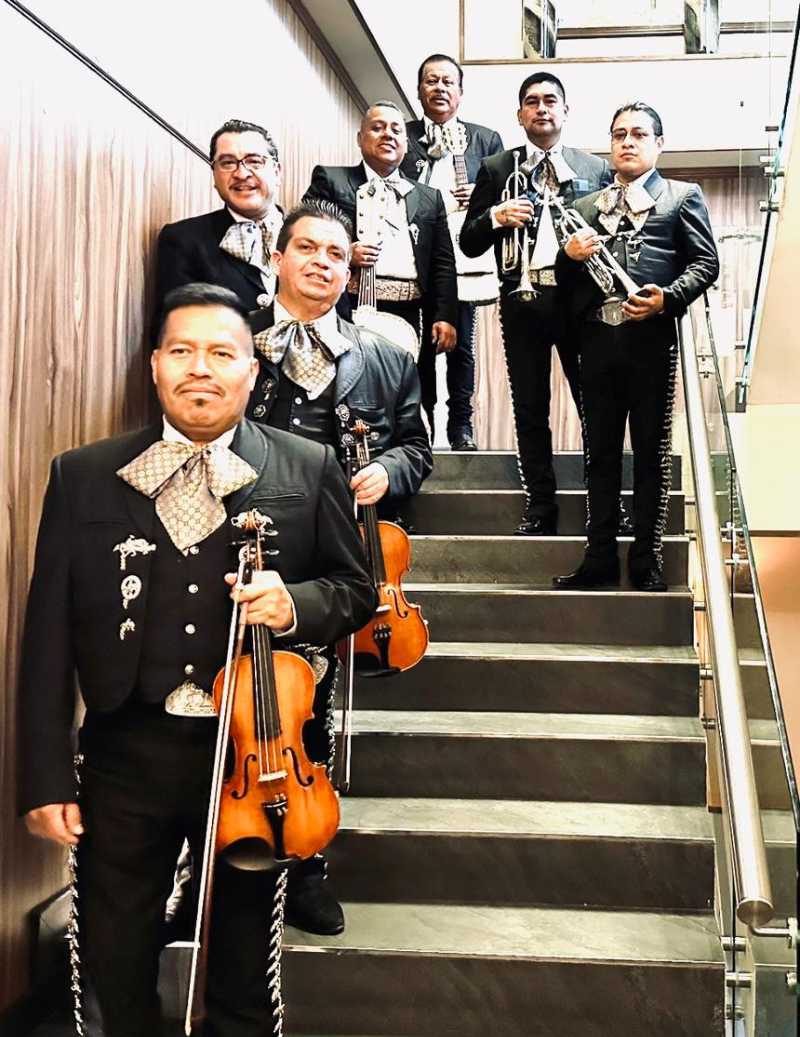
559,854
546,756
542,678
442,509
469,971
516,613
497,470
526,560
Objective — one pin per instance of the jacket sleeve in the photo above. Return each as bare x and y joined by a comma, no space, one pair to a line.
442,276
342,599
320,186
175,264
495,145
693,239
47,673
408,460
477,234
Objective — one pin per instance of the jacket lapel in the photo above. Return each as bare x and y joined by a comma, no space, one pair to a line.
412,204
251,273
350,365
249,443
141,509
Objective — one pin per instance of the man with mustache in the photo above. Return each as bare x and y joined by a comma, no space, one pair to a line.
530,329
133,576
433,144
413,255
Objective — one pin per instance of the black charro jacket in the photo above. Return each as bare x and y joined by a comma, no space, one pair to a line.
75,607
477,234
379,383
433,247
674,250
481,143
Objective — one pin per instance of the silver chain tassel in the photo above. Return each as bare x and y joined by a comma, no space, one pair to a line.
73,925
274,954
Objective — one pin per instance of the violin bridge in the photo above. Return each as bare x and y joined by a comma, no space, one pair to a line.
272,776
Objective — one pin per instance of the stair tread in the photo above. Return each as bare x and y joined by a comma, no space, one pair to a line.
534,652
537,590
521,933
495,538
566,492
527,725
466,817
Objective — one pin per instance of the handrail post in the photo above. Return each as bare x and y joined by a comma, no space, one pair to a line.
754,896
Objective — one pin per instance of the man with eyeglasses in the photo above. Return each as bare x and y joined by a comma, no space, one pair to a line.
231,246
435,144
659,232
532,328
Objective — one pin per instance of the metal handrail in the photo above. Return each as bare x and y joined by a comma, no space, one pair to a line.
754,904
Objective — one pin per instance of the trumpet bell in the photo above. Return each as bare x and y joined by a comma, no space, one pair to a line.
525,293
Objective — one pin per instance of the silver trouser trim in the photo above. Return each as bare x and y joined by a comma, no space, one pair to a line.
274,994
73,924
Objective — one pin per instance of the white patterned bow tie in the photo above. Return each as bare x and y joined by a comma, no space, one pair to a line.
438,145
250,242
306,359
619,200
188,484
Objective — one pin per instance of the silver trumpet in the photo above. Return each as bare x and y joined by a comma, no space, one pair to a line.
525,292
602,265
516,184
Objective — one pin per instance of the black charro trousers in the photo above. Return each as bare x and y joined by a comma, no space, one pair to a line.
627,375
144,788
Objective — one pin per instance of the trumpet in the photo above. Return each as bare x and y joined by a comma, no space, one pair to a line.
602,266
516,184
525,292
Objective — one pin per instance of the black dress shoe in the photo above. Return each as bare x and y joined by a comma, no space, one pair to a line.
535,526
649,580
463,442
312,907
588,578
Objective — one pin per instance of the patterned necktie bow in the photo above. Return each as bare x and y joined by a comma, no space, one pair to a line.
619,200
188,484
251,242
438,146
305,358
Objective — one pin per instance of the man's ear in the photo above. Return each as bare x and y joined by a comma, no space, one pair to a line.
275,262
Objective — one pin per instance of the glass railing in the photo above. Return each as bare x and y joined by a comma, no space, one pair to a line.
751,786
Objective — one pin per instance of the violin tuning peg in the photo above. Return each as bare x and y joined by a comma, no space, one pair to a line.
374,435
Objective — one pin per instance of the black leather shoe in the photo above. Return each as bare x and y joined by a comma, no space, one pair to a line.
312,907
649,580
463,441
588,578
534,526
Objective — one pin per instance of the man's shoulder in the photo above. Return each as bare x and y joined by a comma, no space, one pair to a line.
379,351
107,454
288,446
208,223
475,129
591,161
504,160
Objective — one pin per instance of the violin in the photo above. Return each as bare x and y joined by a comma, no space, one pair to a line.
396,637
269,804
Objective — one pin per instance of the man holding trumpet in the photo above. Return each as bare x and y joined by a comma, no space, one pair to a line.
658,232
510,209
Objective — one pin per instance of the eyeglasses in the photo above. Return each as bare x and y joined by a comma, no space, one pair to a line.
252,163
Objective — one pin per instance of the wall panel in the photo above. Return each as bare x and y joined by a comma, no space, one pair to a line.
87,182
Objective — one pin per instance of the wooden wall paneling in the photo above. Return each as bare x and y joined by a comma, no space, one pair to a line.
88,180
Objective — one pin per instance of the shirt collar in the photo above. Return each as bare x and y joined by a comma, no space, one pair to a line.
238,218
640,181
172,435
535,154
427,122
372,175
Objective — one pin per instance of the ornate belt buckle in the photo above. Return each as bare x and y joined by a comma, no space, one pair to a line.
611,312
188,700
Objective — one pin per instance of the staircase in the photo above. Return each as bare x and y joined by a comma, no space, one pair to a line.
525,850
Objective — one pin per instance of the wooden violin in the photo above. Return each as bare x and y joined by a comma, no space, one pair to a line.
396,637
269,803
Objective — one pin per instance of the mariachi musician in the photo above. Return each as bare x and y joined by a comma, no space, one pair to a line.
132,583
446,153
317,375
507,209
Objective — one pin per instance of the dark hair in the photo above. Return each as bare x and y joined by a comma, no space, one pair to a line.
317,209
640,106
381,104
440,57
240,126
541,77
199,294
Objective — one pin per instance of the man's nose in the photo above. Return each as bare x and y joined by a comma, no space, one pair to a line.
199,365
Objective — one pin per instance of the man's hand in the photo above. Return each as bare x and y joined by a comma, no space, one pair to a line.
268,600
516,212
365,255
462,195
582,244
647,302
59,822
443,336
370,484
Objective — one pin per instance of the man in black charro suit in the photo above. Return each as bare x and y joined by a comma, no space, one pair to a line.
659,232
129,593
531,329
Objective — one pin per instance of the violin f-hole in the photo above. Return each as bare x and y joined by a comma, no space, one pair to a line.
304,782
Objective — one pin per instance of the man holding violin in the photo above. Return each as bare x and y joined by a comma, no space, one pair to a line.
132,582
317,375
